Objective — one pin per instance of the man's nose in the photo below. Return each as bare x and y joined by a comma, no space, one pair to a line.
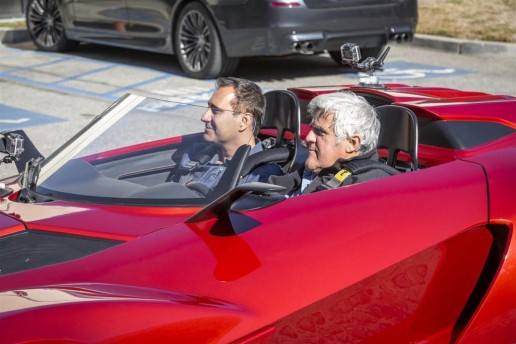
310,137
206,117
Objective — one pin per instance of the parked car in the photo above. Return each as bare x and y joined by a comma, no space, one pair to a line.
12,8
99,244
209,37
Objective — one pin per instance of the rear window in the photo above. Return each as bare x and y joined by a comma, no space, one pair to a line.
460,134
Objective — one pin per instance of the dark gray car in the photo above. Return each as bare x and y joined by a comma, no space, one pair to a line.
210,36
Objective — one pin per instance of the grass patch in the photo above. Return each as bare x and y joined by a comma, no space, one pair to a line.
472,19
16,24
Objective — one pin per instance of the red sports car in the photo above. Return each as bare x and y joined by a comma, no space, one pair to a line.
99,244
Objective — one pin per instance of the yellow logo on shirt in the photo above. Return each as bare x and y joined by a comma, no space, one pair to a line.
342,174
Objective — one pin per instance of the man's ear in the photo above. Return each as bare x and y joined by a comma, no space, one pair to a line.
246,121
354,145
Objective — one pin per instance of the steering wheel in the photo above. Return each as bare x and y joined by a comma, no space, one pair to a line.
166,190
199,187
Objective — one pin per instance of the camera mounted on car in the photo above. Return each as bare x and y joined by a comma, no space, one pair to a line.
11,144
350,53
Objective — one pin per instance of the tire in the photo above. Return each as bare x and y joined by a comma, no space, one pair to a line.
198,46
365,52
46,27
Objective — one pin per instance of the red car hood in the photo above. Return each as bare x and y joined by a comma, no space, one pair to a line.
108,222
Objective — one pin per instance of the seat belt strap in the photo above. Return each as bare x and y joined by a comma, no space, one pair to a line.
338,179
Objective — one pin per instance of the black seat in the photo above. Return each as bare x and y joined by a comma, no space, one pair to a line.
398,133
283,114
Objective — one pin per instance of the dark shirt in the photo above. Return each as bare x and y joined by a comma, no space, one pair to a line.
210,173
325,179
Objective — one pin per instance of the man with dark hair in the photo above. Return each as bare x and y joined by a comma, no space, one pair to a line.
233,118
235,114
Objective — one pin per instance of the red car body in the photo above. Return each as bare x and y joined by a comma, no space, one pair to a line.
428,256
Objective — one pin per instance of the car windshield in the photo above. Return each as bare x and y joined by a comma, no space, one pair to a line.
139,151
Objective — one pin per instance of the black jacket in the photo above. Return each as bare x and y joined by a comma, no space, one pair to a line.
343,172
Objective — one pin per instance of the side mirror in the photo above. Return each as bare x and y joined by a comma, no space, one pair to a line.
224,212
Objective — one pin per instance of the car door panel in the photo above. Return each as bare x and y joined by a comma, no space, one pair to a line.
406,254
150,24
100,19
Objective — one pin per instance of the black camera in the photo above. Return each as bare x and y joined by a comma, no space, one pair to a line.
350,53
11,144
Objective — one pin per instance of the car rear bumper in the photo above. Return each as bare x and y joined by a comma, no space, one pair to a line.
283,30
272,43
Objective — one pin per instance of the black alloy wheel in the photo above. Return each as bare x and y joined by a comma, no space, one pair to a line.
198,46
45,26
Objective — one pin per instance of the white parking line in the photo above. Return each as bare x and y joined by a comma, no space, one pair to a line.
14,121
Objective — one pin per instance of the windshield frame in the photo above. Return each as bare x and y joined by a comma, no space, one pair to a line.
100,125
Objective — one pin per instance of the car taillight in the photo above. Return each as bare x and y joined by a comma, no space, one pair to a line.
288,4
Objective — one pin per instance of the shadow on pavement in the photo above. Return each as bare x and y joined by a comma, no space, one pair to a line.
259,69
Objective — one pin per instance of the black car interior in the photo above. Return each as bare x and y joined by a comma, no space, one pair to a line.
283,114
398,133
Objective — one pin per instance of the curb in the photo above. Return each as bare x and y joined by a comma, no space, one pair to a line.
463,46
13,35
452,45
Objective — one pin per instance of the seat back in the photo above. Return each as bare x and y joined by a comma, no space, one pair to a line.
283,114
398,133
